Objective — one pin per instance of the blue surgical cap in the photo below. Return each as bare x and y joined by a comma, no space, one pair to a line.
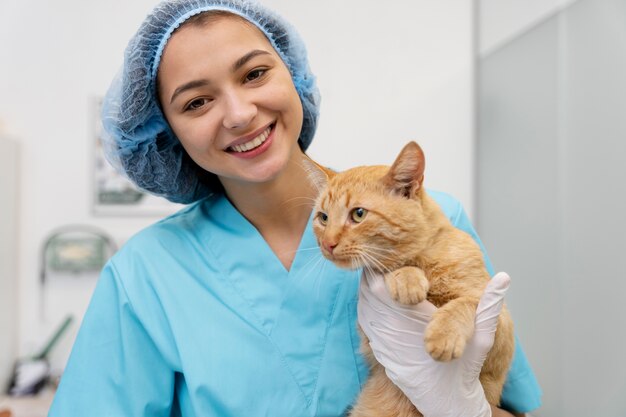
137,139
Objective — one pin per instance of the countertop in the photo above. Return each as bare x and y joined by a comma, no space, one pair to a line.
28,406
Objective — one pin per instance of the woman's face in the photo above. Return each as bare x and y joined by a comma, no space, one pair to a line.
230,100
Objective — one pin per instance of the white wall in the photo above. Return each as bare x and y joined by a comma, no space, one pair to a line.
551,197
501,21
9,162
393,74
387,75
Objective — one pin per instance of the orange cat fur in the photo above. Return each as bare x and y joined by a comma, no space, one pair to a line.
381,218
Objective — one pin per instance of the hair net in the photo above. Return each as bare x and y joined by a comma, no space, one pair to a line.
137,139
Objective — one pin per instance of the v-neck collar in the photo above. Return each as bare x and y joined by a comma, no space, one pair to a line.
307,240
294,308
254,269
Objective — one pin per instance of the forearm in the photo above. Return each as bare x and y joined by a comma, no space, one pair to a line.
498,412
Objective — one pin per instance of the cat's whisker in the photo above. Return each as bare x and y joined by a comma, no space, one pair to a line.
369,270
300,198
312,266
309,201
301,250
380,258
377,256
369,259
317,285
295,206
362,260
315,260
378,248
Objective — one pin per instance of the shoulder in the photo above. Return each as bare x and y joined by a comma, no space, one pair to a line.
451,207
177,236
174,229
162,261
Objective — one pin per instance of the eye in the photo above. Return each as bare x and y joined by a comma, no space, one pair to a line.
255,74
197,104
358,214
322,217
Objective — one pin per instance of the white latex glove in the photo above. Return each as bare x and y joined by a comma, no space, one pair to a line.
396,335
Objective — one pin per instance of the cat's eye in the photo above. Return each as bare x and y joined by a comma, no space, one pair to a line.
323,218
358,214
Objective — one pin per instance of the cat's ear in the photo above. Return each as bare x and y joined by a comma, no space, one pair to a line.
406,175
318,174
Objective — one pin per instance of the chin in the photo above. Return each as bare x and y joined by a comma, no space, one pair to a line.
269,172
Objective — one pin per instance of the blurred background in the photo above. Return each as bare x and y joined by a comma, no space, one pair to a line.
519,105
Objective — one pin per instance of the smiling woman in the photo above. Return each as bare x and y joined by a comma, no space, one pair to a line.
132,122
227,307
230,101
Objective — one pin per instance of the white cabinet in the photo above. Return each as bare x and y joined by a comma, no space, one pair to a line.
9,159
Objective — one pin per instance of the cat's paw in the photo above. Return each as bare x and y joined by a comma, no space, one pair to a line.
407,285
443,340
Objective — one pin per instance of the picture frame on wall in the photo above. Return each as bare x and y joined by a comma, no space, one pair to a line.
113,193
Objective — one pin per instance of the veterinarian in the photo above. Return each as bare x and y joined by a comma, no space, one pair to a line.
227,308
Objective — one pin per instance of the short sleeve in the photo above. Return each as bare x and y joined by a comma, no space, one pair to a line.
521,391
115,369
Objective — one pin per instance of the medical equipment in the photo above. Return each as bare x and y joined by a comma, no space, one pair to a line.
73,250
31,374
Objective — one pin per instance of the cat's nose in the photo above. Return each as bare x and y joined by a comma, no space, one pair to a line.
329,246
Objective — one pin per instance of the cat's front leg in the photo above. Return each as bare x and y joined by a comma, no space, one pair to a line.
451,328
407,285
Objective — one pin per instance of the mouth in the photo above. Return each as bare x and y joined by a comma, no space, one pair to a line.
253,143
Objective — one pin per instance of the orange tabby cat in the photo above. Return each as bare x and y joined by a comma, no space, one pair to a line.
381,218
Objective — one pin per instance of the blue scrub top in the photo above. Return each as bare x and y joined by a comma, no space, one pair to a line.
196,316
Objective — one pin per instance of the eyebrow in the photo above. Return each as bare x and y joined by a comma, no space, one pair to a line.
188,86
201,83
247,57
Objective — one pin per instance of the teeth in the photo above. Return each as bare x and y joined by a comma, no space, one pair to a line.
244,147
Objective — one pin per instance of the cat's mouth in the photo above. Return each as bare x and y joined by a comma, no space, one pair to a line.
353,262
344,262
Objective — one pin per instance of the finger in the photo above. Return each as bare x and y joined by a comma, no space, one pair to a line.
487,314
491,302
392,315
373,292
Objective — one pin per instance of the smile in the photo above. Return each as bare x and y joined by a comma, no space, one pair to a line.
253,143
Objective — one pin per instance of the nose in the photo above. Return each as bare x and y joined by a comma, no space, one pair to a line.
329,245
239,110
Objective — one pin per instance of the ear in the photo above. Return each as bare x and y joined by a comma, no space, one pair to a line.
318,175
406,175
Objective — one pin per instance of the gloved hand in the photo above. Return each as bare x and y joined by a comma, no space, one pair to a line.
396,335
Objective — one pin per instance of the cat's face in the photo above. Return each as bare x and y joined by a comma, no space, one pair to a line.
365,216
349,223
